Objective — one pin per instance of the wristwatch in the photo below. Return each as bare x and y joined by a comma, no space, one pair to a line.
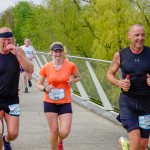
44,89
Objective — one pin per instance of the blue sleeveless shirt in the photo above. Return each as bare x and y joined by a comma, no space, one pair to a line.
9,78
137,66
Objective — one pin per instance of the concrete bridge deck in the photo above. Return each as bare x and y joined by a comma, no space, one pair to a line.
90,131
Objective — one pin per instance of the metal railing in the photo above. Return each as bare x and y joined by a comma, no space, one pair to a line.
93,85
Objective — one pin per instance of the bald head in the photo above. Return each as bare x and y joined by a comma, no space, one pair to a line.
137,37
135,26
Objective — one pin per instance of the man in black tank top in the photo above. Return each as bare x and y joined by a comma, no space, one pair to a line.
11,58
134,100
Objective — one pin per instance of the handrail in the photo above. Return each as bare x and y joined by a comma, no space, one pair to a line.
93,84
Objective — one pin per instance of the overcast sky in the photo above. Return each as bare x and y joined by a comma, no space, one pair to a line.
4,4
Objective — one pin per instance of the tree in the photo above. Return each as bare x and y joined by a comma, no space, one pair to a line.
89,28
111,22
7,19
23,15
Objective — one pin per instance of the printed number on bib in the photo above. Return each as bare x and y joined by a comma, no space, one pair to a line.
14,109
144,122
56,94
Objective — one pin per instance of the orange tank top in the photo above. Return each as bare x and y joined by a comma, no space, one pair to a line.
58,78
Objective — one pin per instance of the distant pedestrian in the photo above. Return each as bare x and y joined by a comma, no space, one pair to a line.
30,54
59,74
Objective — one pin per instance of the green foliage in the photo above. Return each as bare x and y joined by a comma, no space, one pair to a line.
93,28
23,16
111,22
7,19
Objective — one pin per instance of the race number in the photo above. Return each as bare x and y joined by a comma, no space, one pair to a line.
144,122
56,94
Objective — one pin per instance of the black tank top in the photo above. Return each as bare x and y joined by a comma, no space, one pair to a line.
9,77
137,66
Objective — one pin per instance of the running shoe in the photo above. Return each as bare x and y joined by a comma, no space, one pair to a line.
30,83
123,143
7,146
26,90
60,145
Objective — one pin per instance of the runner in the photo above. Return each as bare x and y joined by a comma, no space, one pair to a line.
30,54
134,100
60,74
11,57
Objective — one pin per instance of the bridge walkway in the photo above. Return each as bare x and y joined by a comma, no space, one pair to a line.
90,131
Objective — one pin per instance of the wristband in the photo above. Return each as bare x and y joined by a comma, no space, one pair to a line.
44,89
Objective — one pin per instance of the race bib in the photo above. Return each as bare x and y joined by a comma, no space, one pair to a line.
144,122
14,110
56,94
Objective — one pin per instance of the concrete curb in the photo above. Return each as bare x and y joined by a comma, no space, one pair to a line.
111,115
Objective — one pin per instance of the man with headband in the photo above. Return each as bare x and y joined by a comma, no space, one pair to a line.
11,58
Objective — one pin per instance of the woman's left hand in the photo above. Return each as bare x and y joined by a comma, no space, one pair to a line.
70,81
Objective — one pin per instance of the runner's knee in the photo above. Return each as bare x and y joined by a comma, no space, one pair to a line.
54,131
64,134
12,135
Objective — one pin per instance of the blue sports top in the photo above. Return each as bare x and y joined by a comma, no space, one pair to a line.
9,77
137,66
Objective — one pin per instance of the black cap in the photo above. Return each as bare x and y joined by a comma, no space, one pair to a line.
57,47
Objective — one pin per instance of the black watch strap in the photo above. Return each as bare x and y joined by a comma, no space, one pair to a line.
44,90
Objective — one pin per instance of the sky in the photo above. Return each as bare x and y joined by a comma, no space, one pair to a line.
4,4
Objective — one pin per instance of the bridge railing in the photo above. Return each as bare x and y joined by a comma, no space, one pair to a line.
93,85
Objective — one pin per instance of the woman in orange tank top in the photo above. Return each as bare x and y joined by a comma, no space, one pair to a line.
60,74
